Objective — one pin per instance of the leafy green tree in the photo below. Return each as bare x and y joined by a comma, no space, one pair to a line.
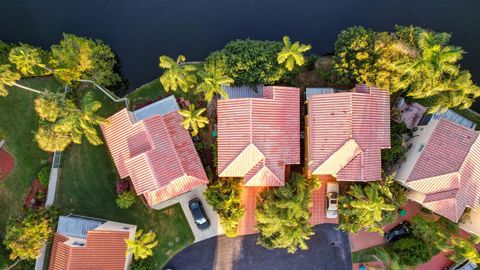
26,235
283,214
354,57
443,235
192,118
51,106
142,246
212,80
10,78
125,199
28,60
177,76
4,52
224,196
49,140
292,53
371,206
410,251
82,58
146,264
251,62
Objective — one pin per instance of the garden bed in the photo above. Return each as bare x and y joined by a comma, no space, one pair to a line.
7,163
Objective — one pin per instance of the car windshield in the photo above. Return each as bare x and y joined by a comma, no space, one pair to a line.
194,205
333,201
201,220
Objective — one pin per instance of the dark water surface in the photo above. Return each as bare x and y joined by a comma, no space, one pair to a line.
141,30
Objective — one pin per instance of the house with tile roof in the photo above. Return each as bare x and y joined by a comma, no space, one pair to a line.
151,148
345,132
258,138
442,167
82,243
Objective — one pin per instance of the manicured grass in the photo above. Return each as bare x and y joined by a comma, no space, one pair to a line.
18,121
87,187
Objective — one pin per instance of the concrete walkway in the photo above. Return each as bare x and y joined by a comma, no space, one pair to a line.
215,227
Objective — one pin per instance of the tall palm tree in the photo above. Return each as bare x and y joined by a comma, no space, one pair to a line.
193,119
427,74
292,54
26,58
49,140
51,106
177,76
10,78
212,81
83,122
141,247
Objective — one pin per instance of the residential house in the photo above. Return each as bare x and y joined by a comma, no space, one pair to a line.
82,243
442,167
346,131
258,138
151,148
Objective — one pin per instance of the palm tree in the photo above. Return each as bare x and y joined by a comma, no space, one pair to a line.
427,74
292,54
26,58
193,119
10,78
177,75
213,79
141,247
50,140
83,122
52,105
125,199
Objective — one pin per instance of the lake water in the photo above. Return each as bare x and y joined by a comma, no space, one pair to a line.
141,30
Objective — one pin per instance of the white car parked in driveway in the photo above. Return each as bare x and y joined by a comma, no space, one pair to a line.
332,200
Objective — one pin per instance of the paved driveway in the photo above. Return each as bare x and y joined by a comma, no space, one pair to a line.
214,229
329,250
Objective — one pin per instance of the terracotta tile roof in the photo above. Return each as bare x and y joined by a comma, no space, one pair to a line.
347,132
156,153
448,170
103,250
257,137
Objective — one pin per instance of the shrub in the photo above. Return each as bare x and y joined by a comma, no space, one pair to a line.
225,197
411,251
44,175
41,195
125,200
145,264
123,186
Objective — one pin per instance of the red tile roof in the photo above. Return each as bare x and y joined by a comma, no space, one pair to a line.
157,154
103,250
448,170
257,137
347,132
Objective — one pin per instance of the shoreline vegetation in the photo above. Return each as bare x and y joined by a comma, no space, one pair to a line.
400,62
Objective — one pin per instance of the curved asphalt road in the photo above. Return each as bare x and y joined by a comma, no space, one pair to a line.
329,249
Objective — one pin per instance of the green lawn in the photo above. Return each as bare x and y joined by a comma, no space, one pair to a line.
87,187
18,121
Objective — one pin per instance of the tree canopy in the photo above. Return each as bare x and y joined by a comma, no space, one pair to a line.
224,196
142,246
251,62
25,236
212,79
370,206
283,214
62,122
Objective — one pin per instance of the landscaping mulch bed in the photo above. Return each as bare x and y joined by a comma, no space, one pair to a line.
31,199
6,164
